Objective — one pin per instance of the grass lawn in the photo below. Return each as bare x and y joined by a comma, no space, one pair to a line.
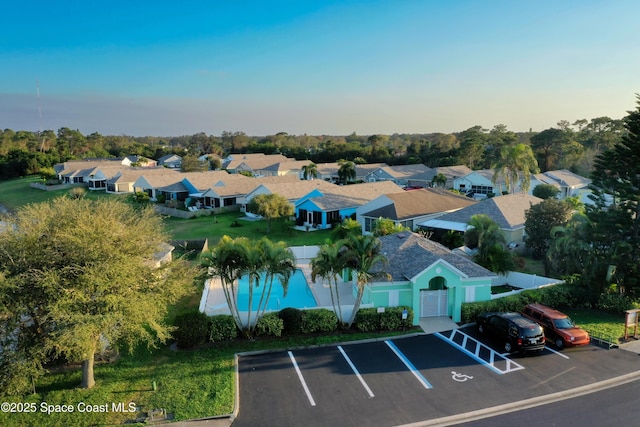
215,226
17,192
600,324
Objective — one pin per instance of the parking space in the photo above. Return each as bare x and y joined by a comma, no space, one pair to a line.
410,379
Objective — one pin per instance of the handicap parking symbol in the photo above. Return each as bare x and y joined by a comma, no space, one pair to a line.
460,377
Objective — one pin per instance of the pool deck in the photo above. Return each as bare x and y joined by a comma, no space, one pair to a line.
213,301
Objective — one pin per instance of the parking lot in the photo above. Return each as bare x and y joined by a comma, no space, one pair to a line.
407,380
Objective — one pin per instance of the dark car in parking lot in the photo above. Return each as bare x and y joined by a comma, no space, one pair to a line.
514,331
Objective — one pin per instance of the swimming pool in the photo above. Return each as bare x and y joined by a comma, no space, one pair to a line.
298,294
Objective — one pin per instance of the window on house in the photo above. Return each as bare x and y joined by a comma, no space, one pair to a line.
368,224
481,189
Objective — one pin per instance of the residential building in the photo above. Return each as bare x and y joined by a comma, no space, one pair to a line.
323,207
410,208
507,211
426,276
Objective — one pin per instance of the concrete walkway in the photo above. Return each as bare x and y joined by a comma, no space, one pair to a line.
632,345
431,325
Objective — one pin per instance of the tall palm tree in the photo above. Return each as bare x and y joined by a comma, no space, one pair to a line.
328,264
362,255
227,260
277,262
346,171
255,266
310,171
516,162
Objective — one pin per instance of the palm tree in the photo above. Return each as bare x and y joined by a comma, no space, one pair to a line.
277,261
346,171
227,260
328,264
515,162
486,235
259,261
362,255
347,227
255,266
310,171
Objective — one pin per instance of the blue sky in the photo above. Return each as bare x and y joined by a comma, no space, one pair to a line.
315,67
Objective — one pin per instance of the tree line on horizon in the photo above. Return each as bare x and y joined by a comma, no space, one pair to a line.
572,146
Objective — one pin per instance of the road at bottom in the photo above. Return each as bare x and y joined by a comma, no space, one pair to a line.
614,406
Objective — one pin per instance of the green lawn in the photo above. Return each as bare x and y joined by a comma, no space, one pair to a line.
214,227
600,324
17,192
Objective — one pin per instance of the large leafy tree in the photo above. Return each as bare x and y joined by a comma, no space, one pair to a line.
76,275
615,214
270,206
547,146
540,220
515,164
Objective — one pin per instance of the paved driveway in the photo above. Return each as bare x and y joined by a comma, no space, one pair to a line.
408,380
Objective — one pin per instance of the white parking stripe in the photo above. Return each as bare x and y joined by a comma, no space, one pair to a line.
355,371
491,363
409,365
556,352
304,384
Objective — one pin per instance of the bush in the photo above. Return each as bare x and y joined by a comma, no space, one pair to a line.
319,320
558,296
270,324
223,328
614,303
192,329
391,319
367,320
292,318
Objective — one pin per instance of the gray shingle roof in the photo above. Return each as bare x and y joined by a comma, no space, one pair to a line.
409,254
508,211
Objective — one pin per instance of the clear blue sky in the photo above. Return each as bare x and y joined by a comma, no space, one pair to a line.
317,67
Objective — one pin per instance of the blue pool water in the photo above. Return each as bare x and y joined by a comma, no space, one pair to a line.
298,294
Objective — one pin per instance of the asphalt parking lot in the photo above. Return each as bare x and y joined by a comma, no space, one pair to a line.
410,380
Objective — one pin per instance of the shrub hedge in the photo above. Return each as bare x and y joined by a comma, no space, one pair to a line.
223,328
563,296
318,320
192,329
369,320
292,318
270,324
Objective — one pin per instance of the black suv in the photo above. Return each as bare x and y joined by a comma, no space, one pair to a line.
515,331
